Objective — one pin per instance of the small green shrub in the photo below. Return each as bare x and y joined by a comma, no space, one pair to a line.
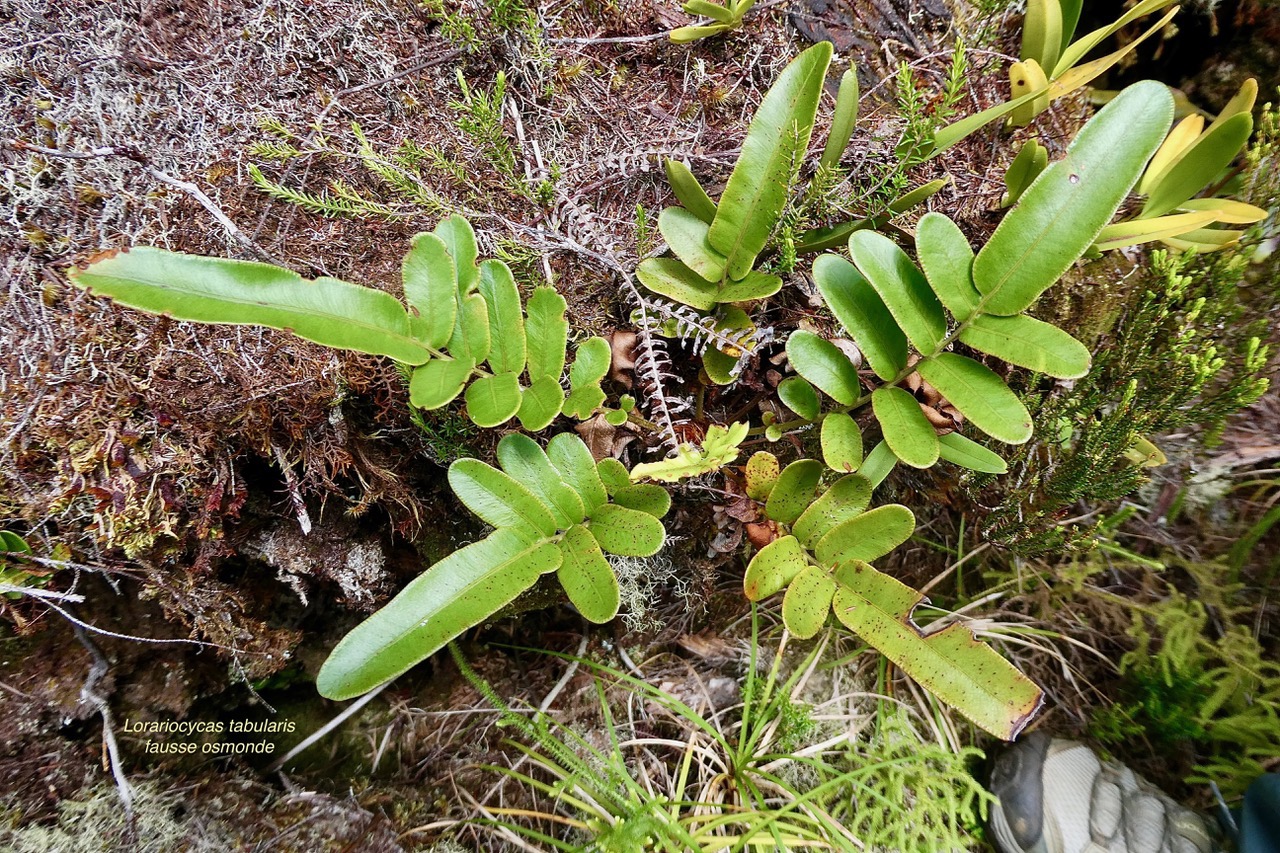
1186,683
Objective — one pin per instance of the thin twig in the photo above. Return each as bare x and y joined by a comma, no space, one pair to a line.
613,39
131,637
564,679
163,177
89,693
295,494
42,593
327,727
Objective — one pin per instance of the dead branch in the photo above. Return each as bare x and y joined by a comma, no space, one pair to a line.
163,177
88,693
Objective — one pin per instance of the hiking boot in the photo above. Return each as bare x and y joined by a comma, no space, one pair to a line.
1057,796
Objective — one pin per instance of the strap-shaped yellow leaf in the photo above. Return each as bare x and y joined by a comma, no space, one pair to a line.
958,130
1184,133
1067,79
713,11
1135,231
1205,239
1200,163
952,664
1078,49
1241,103
907,431
1226,210
980,395
920,194
684,35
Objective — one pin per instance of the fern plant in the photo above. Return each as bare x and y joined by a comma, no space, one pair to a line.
464,327
716,245
552,511
725,17
891,307
822,557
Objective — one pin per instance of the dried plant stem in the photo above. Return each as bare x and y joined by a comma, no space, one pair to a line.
326,728
163,177
89,693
